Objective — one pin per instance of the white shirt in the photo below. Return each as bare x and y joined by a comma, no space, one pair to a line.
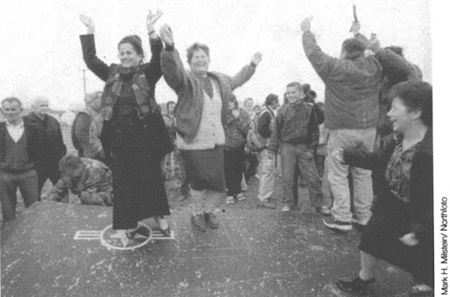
15,132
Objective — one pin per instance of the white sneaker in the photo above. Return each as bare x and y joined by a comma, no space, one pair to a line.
230,200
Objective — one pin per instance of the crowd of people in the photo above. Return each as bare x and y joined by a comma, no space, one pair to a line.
371,140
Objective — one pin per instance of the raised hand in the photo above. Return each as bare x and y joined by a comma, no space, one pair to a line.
305,25
151,20
257,58
356,26
88,22
166,35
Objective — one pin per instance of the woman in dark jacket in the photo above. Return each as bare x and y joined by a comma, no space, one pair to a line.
133,132
238,123
401,228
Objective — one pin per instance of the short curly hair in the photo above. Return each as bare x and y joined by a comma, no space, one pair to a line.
195,47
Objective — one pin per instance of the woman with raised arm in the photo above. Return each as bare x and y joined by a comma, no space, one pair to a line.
133,133
201,114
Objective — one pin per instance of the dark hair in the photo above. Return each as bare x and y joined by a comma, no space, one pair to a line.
12,99
295,84
195,47
396,49
135,41
306,88
233,99
354,48
69,163
270,99
415,95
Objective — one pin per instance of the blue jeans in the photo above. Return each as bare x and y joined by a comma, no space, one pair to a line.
26,181
293,155
338,176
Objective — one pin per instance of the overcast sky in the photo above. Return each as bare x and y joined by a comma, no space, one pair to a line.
42,53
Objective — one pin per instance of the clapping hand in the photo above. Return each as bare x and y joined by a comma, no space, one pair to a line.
152,19
257,58
235,113
166,35
88,22
409,239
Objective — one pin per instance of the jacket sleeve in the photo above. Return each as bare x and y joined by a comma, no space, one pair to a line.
395,68
59,138
58,191
264,124
153,72
360,157
274,140
313,131
97,66
321,62
94,135
82,131
422,196
173,70
242,76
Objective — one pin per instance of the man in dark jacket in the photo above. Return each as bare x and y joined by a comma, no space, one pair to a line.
21,154
296,132
55,147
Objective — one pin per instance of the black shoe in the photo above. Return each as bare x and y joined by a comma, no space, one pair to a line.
266,204
211,220
357,285
141,230
198,221
337,226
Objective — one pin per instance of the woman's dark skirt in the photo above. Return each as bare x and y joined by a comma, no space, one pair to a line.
381,240
205,168
139,191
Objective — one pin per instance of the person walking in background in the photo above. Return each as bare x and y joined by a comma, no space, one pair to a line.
351,114
266,167
82,123
236,129
22,151
201,115
296,133
401,228
55,147
89,179
133,131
